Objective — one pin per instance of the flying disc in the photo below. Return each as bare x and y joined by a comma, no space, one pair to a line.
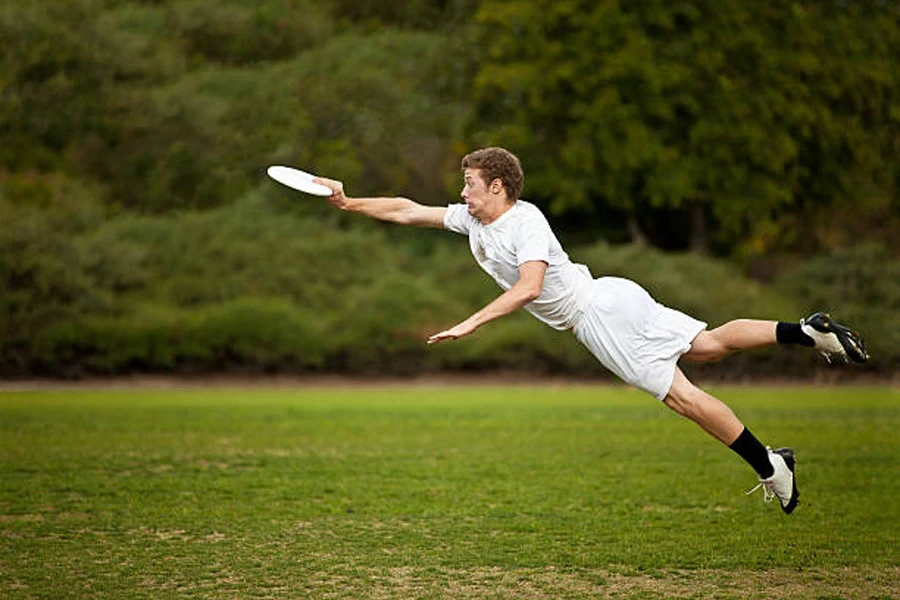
298,180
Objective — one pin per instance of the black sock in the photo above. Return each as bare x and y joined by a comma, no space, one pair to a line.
750,449
790,333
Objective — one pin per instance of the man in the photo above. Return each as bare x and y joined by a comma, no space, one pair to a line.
632,335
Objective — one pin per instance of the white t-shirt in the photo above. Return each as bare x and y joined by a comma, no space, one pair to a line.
519,235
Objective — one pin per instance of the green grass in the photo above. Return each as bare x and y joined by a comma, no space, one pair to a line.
494,492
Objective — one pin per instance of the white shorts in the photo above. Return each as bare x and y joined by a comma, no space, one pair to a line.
634,336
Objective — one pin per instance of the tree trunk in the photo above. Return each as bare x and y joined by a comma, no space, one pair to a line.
699,234
635,231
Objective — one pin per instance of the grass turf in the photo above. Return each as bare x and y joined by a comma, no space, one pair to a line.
495,492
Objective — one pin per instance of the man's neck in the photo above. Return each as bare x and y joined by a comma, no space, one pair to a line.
497,211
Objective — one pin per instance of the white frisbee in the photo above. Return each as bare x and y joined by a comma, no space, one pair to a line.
298,180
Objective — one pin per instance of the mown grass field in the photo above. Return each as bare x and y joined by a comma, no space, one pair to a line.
453,492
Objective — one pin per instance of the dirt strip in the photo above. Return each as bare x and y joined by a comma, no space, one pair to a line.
225,381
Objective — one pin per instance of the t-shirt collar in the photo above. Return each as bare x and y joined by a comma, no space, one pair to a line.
504,215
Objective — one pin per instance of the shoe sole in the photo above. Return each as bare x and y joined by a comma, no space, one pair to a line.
850,341
788,455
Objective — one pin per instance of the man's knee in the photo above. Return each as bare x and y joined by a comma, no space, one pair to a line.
707,347
682,395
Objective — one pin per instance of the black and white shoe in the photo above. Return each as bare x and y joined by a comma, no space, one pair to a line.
833,339
782,484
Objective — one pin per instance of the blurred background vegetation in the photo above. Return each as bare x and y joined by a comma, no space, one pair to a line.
737,159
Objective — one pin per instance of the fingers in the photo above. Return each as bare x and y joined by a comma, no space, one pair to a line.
337,197
330,183
454,333
440,337
336,187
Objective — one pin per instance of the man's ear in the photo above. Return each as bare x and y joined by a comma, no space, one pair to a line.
496,186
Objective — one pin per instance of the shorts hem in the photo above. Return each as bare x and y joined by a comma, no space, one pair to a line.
674,364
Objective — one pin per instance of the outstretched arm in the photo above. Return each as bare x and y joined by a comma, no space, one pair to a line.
528,288
395,210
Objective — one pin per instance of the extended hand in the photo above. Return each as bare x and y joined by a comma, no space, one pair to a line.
337,197
455,332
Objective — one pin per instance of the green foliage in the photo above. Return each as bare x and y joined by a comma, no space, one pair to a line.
41,267
714,291
417,14
179,105
242,287
261,287
241,32
52,73
134,136
729,110
858,285
245,334
347,108
763,121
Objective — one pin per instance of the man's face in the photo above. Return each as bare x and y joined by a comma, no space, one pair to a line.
476,192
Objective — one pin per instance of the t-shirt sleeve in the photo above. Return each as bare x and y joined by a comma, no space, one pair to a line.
457,218
533,240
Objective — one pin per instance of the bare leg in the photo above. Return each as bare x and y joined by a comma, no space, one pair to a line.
740,334
705,410
774,467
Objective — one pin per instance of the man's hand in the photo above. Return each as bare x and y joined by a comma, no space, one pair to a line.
455,332
525,290
337,197
392,209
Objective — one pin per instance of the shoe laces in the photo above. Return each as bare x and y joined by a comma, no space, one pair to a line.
832,357
767,485
768,493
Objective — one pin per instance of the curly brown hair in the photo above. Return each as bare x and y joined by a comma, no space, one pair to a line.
497,163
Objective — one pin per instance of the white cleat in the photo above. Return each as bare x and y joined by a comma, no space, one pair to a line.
782,484
833,339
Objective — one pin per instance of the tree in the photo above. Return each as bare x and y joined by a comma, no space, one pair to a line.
52,73
849,142
704,108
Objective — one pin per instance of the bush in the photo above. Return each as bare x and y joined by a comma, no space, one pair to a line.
860,286
42,279
259,286
245,334
706,288
235,32
347,108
